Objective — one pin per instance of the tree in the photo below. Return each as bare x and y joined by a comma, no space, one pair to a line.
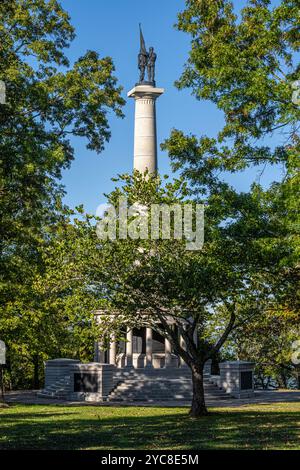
269,338
52,315
152,281
268,342
246,65
47,101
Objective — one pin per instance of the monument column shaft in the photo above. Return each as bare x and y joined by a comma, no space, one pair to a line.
99,352
129,348
145,139
149,347
113,350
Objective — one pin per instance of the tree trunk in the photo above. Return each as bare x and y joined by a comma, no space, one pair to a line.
1,384
282,379
9,384
198,407
36,376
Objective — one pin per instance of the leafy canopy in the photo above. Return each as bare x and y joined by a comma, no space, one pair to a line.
246,64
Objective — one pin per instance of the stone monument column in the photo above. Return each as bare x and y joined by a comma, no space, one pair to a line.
129,348
145,141
149,347
113,350
99,352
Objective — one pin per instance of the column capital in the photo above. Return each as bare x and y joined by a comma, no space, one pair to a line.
141,91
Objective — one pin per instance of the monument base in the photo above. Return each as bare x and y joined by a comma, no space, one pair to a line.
236,378
146,82
71,380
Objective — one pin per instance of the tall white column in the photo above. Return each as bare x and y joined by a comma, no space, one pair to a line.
168,353
129,348
145,141
96,351
99,346
112,350
99,352
149,347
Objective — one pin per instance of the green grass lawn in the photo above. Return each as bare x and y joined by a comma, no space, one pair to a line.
273,426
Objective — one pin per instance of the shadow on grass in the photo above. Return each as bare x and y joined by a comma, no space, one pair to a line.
42,427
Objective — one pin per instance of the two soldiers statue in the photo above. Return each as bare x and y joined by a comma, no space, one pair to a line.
146,60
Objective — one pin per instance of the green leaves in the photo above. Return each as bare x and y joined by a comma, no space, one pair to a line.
45,105
48,101
246,66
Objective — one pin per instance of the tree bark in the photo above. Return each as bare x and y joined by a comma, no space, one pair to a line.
36,375
282,379
1,384
198,407
9,384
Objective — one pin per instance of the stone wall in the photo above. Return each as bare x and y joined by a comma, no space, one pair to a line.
71,380
236,378
57,369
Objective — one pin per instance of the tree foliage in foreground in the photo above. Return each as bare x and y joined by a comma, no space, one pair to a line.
245,63
48,101
204,292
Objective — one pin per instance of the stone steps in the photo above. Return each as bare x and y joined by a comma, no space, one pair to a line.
160,393
148,385
58,396
159,385
58,389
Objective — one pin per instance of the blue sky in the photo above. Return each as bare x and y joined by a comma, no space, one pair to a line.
111,28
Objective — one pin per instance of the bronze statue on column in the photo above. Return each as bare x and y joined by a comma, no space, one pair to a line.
146,60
